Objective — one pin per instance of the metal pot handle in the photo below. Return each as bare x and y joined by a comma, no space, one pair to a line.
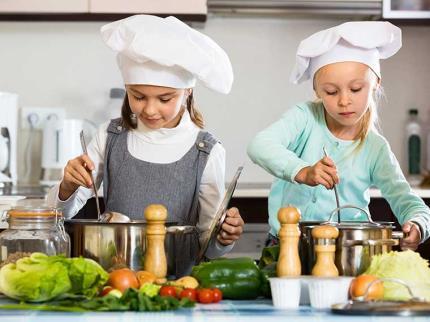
369,219
371,242
397,234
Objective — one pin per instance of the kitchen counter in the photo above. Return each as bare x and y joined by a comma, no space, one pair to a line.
235,311
261,190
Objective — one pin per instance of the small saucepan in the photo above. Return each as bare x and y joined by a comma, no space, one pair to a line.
358,241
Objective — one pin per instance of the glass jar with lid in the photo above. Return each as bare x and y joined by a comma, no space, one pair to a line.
33,230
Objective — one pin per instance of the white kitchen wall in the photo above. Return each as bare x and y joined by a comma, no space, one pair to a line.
66,64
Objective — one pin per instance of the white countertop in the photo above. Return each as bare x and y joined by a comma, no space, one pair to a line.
261,190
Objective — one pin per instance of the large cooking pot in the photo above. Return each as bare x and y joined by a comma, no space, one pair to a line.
115,245
357,242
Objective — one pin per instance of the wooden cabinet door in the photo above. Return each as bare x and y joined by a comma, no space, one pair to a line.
44,6
149,6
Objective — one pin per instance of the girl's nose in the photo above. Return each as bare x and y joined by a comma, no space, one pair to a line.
344,99
149,108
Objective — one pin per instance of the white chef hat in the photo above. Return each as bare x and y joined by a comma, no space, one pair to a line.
166,52
361,41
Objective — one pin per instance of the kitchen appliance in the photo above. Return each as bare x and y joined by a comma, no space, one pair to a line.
406,9
8,138
115,245
61,143
356,244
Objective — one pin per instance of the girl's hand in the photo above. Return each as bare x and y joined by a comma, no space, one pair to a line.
232,227
413,234
323,172
76,173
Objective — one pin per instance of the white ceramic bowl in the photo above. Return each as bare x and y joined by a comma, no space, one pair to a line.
326,291
285,292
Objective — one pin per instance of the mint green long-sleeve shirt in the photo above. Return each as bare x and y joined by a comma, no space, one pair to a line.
296,141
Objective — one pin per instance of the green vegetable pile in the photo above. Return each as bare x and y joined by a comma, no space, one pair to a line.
407,266
41,278
131,300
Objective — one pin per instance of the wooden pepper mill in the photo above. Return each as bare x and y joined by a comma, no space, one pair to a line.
289,260
325,247
155,254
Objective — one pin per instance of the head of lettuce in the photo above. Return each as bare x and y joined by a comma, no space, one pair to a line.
409,267
40,278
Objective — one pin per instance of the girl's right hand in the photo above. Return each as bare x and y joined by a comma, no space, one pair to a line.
76,173
323,172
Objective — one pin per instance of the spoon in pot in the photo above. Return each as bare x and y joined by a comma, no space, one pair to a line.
84,149
109,217
335,191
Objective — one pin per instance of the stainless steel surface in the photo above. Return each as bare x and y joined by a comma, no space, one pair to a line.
356,244
32,192
335,192
123,244
84,149
220,215
297,7
251,242
385,308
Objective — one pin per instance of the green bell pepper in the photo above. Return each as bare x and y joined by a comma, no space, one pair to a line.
237,278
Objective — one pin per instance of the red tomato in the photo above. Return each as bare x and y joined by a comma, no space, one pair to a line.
106,290
205,295
122,279
217,295
167,290
189,293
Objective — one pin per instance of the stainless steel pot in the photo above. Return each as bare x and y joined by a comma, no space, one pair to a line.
115,245
355,246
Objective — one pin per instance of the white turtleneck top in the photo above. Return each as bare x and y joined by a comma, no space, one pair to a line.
164,145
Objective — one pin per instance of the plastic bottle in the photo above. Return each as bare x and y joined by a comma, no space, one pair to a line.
414,147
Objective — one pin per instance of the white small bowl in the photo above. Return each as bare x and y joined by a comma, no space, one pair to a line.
326,291
285,292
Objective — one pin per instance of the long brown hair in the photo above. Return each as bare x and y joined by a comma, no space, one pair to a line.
128,122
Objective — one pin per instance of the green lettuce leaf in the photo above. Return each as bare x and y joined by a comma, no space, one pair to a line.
36,278
40,278
87,276
407,266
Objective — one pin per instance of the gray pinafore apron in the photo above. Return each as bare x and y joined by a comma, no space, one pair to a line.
130,185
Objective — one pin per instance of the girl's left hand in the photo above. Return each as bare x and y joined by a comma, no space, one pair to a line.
232,227
413,236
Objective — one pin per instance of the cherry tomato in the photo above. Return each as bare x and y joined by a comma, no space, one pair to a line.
189,293
167,290
122,279
217,295
205,295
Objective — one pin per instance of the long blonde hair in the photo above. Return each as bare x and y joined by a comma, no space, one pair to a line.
128,122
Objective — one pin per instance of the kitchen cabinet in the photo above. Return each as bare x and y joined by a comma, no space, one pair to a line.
43,6
148,6
99,10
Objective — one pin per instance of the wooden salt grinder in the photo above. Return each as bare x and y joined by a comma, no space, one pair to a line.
155,254
289,260
325,247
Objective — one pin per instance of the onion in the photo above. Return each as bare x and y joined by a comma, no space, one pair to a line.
122,279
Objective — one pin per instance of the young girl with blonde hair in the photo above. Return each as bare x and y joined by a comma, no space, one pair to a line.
343,64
